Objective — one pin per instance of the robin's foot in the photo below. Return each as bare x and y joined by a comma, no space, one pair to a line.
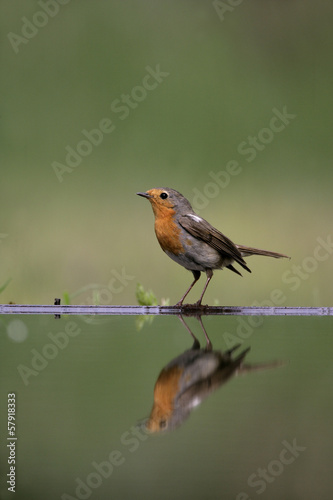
199,305
196,305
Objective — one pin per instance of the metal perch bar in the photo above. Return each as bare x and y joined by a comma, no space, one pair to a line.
168,310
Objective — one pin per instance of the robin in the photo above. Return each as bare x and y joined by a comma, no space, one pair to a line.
192,242
186,381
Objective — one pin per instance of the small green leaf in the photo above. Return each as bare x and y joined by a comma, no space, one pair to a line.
66,299
145,298
140,321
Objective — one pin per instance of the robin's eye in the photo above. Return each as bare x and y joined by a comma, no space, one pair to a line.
163,195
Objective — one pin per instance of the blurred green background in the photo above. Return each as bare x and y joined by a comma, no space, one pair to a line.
226,72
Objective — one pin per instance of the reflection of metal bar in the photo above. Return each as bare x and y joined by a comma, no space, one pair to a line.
171,310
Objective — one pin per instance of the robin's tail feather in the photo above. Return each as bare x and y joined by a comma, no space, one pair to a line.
247,251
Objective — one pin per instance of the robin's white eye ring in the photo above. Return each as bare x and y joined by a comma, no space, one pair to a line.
163,195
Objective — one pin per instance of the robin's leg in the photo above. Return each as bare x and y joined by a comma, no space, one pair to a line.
209,273
209,345
196,344
196,275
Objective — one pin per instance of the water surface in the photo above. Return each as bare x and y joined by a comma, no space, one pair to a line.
84,388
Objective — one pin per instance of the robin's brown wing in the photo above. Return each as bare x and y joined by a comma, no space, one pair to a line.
200,228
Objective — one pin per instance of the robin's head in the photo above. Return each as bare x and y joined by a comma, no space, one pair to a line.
167,201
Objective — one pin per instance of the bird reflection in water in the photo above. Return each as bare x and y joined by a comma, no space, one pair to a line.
189,378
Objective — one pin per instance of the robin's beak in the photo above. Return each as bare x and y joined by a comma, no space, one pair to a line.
145,195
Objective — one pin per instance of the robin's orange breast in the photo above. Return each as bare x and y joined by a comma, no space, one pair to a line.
167,387
168,232
165,392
